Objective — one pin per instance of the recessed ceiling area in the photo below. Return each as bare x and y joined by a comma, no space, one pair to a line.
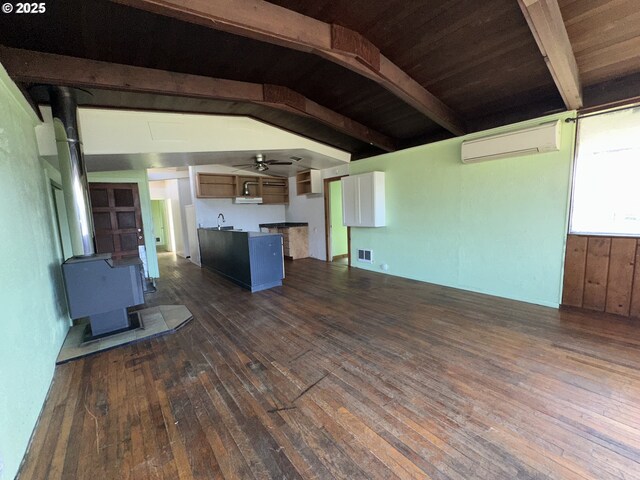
288,121
137,140
238,160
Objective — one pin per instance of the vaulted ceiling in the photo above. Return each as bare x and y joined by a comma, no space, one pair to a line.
365,76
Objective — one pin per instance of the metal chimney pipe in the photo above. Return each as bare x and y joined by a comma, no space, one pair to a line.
72,169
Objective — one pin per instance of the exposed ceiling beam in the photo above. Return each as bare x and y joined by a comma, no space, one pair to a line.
47,68
548,29
271,23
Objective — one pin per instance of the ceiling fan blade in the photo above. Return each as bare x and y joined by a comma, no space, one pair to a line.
245,165
276,162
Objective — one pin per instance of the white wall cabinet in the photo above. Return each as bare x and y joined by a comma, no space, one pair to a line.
309,182
363,200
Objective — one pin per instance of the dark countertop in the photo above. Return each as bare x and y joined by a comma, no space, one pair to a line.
239,232
284,225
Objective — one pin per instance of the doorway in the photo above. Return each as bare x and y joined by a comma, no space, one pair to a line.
160,225
338,237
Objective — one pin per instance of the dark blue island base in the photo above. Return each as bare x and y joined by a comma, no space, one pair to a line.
253,260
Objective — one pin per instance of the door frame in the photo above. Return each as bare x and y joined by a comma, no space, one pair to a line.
327,221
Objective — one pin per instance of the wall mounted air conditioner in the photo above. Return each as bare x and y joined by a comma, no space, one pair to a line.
244,200
539,139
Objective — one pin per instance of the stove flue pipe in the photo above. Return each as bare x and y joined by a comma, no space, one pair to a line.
72,169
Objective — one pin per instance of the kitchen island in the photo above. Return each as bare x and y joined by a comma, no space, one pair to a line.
253,260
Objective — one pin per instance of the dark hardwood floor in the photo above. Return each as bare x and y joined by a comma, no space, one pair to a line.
349,374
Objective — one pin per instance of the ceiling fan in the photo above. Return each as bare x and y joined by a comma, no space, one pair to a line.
262,165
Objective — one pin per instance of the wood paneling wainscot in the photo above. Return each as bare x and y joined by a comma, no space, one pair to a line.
601,274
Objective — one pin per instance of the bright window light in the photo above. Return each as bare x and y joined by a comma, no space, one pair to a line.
606,185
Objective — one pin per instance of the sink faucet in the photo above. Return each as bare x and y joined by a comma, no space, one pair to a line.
223,221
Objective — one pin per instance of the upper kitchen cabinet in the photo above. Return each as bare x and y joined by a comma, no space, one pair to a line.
215,186
363,200
275,190
308,182
272,190
248,186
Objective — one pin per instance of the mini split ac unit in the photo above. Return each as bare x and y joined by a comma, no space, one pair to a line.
539,139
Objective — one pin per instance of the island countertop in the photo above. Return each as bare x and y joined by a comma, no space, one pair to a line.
284,225
241,232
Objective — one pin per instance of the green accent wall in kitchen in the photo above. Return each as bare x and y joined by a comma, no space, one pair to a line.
497,227
159,222
339,244
139,177
34,313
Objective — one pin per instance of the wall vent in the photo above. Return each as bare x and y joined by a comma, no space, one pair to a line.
365,255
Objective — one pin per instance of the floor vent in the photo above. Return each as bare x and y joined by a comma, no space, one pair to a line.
365,256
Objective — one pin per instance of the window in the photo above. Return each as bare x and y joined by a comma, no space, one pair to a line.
606,185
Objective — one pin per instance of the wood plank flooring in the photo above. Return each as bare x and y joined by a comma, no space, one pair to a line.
353,375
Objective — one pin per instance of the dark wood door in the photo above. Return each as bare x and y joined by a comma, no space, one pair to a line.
117,218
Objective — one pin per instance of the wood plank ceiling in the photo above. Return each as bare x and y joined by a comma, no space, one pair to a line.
605,36
479,58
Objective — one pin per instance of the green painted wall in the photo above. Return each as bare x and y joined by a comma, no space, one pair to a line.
139,177
339,244
497,227
157,213
34,316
